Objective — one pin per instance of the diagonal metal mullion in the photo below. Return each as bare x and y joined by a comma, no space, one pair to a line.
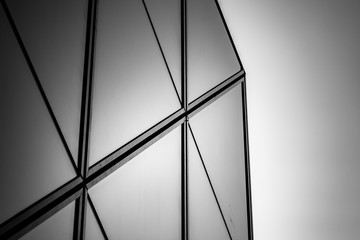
162,52
91,204
119,157
38,83
208,177
111,162
174,119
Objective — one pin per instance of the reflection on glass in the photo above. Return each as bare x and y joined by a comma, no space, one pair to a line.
165,15
132,87
33,159
53,32
205,221
218,130
211,57
58,227
141,200
93,231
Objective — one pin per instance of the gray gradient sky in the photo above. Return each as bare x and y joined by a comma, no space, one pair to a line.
302,60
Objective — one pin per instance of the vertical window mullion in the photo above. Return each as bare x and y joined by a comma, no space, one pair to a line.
247,161
81,202
184,157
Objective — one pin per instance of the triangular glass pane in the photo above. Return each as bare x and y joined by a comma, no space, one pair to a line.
132,87
165,15
205,221
141,200
53,32
60,226
33,159
211,57
93,231
218,131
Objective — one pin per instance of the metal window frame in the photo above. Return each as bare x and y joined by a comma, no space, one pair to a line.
76,189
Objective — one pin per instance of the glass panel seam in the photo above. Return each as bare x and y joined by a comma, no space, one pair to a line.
208,178
228,33
98,220
161,50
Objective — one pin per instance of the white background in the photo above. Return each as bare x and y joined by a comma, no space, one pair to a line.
302,60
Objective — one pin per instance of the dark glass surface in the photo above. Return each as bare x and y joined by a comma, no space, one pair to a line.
132,87
53,32
33,159
141,200
218,130
211,57
205,221
60,226
165,15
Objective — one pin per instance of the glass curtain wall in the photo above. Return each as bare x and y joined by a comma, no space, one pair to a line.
121,120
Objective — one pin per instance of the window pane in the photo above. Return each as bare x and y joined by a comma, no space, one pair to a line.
211,57
141,200
165,15
53,32
218,130
33,159
205,221
93,231
132,87
58,227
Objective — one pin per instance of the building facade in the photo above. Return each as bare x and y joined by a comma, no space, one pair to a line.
121,120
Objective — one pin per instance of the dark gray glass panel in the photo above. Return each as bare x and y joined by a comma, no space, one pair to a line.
205,221
141,200
165,15
93,231
218,130
33,159
58,227
211,57
132,87
53,32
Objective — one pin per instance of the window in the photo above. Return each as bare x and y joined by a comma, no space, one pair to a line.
121,119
